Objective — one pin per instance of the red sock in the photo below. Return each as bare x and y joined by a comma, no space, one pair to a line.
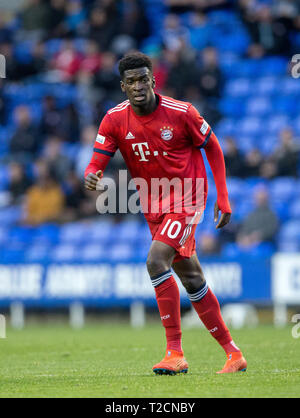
168,300
209,312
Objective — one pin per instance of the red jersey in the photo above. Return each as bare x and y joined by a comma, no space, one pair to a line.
165,144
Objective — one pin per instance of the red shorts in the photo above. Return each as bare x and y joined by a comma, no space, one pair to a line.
178,231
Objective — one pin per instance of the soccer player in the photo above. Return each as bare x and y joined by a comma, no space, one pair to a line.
160,137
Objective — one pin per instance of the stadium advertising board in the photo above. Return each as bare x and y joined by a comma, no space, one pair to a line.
109,284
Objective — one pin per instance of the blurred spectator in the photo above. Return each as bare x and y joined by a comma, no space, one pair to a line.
173,33
3,110
210,75
57,16
44,201
88,137
182,6
261,224
233,159
268,169
91,62
182,73
286,11
62,122
66,63
38,63
160,73
51,117
210,113
252,163
108,80
18,70
135,22
24,143
199,31
75,17
102,27
5,33
69,128
36,18
287,154
19,182
58,163
208,244
76,206
269,35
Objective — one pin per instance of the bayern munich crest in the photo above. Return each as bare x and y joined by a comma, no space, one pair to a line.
166,133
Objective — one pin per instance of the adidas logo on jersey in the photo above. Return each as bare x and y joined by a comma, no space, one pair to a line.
129,136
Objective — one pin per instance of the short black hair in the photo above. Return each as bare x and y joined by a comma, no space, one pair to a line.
134,60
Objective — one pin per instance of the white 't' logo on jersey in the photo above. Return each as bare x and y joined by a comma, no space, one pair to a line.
140,151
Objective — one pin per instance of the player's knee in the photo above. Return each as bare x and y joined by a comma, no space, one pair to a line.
192,281
156,264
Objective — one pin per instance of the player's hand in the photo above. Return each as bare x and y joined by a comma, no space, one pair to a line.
224,219
91,180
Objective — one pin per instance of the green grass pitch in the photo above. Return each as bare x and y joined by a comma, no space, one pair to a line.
110,361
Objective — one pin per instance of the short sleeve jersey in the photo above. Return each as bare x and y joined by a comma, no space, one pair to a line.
165,144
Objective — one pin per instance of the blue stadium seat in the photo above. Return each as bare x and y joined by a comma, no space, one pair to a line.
294,209
283,188
237,188
268,144
46,234
250,126
231,106
103,231
4,177
239,87
75,232
122,252
21,234
64,253
290,231
129,231
93,252
275,123
258,106
288,246
226,126
37,253
289,85
264,249
10,215
4,235
11,255
53,46
268,85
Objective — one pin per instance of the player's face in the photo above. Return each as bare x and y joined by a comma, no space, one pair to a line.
138,85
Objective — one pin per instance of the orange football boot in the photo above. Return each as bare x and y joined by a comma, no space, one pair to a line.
173,363
235,363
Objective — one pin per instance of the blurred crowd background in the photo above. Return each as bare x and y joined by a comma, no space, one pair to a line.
231,59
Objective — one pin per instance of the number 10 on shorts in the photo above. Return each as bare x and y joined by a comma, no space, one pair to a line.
173,229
